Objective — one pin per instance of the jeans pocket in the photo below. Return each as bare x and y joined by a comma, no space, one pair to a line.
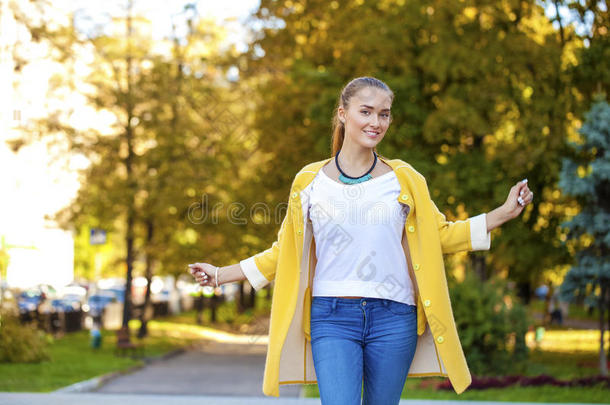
400,308
320,308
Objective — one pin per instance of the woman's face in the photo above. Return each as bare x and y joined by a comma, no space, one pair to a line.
367,117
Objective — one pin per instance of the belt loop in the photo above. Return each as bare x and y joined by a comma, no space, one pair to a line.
335,302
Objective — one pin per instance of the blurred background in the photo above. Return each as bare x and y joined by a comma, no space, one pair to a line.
139,136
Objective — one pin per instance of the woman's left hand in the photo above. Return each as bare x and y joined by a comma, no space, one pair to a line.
518,198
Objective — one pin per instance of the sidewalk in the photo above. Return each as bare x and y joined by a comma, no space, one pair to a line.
210,372
209,368
570,322
121,399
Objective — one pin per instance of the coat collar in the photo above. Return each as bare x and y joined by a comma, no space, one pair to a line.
309,172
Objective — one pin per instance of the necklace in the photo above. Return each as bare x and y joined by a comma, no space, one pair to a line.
353,180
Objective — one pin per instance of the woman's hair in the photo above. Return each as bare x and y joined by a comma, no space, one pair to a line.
353,87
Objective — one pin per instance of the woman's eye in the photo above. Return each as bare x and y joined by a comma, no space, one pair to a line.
368,112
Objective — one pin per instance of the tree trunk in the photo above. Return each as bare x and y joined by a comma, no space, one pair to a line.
546,316
199,308
241,305
147,309
479,266
252,301
603,365
130,177
252,297
214,304
608,308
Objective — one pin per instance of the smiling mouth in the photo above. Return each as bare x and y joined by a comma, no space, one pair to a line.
372,134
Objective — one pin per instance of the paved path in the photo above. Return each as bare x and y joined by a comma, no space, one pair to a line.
122,399
211,368
213,373
571,323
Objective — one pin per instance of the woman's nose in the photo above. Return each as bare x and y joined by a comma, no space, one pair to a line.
374,120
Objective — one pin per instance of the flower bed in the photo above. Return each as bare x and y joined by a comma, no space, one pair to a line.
481,383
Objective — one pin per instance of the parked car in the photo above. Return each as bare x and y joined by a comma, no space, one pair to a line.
5,290
76,301
73,290
118,292
29,301
161,296
65,314
66,304
98,301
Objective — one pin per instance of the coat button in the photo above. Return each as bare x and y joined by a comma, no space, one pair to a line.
294,195
427,303
405,197
440,339
299,231
411,228
416,266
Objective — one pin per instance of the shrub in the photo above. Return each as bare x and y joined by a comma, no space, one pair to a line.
491,324
21,343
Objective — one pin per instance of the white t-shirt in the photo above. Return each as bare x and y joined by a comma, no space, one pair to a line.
358,231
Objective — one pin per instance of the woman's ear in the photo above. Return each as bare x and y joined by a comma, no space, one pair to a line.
341,114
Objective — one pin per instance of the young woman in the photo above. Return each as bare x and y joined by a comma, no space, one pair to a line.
360,298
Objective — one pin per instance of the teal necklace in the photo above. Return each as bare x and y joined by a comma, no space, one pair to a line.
354,180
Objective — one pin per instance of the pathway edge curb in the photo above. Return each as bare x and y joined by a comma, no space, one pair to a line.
93,384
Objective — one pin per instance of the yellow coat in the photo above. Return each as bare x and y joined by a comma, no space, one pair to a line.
428,235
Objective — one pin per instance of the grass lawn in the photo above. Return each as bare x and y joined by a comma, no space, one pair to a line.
513,394
575,311
73,360
559,364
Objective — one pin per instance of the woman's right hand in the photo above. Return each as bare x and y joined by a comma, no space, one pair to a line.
203,273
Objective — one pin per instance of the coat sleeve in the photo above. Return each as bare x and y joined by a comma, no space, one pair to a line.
456,236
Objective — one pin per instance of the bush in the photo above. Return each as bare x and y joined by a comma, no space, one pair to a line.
491,325
21,343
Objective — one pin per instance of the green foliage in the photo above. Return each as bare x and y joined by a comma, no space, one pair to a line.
486,93
21,343
481,99
171,166
73,360
586,177
592,74
424,389
491,324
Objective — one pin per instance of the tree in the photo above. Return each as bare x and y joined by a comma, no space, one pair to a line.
195,155
481,102
586,177
591,75
178,112
110,86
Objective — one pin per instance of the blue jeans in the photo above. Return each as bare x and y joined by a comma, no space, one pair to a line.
362,338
